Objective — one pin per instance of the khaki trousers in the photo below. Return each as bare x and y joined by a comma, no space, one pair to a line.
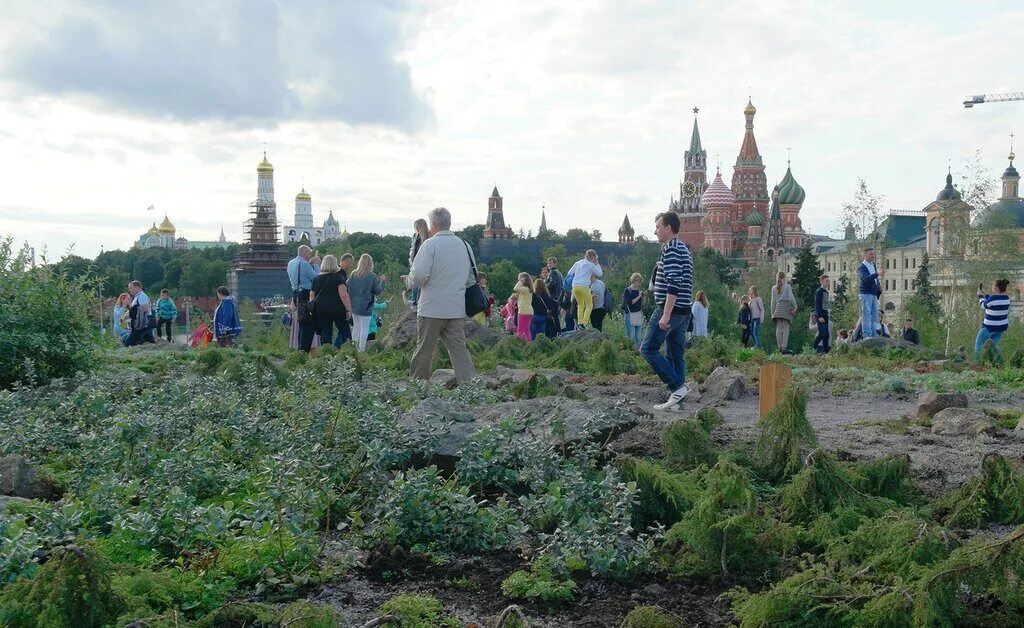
452,333
782,333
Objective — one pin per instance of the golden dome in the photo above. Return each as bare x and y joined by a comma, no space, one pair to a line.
265,166
749,110
303,195
166,226
153,230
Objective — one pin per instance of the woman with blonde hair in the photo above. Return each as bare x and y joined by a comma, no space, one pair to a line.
783,311
523,292
333,306
633,306
363,287
121,318
583,273
420,235
756,315
700,314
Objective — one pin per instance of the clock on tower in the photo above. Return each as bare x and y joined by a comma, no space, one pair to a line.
689,189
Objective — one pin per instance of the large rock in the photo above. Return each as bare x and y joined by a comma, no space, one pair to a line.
19,479
451,423
930,403
724,384
962,422
402,332
6,501
881,343
584,337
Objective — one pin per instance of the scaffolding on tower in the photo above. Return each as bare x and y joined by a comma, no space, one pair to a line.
262,248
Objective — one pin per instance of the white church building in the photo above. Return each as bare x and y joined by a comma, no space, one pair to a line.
304,229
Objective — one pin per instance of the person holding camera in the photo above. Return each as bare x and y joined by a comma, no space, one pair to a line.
997,315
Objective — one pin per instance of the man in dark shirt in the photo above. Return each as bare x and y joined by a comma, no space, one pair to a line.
821,315
909,333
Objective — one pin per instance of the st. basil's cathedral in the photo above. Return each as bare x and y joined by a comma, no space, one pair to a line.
739,221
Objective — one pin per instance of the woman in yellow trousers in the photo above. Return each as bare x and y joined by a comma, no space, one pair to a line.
583,273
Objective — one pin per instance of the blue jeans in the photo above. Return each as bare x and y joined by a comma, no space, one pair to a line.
538,324
671,369
755,331
868,314
821,341
633,332
983,335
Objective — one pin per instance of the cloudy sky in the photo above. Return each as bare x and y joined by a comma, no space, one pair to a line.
388,108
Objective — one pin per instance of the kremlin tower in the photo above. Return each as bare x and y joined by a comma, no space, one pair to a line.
749,183
494,228
691,187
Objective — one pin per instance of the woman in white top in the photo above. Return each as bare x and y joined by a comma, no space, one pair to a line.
583,273
700,314
756,315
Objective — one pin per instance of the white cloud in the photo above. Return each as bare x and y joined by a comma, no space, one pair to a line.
582,108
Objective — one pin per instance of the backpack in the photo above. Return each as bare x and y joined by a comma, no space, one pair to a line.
609,300
567,282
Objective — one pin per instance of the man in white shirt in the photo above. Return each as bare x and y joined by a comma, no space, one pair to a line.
442,270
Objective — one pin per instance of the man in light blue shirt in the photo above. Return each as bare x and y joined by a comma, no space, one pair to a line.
300,272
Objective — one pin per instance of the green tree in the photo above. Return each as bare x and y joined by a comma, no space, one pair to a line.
864,212
501,277
720,264
806,277
924,293
149,269
578,234
560,253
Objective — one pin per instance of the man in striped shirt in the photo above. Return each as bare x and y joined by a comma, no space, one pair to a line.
672,283
997,315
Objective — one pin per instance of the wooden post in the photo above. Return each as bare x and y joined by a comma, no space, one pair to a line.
773,379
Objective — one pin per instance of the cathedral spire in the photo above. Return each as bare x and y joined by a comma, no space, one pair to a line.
749,155
543,220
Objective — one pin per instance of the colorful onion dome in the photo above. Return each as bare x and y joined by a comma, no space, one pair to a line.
265,166
749,110
754,218
718,194
791,193
166,227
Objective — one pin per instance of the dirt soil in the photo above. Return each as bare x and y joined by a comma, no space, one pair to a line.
470,590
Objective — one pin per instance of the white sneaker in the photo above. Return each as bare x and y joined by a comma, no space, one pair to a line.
675,400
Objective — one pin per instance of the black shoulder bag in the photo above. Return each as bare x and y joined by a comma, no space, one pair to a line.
476,300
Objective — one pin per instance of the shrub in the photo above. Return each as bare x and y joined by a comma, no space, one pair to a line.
570,358
544,582
606,360
418,611
210,360
996,496
821,487
725,534
533,387
687,445
664,496
422,511
72,589
45,328
786,436
651,617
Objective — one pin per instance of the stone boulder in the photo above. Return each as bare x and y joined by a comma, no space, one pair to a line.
452,423
962,422
19,479
6,501
724,384
881,343
402,332
583,337
931,403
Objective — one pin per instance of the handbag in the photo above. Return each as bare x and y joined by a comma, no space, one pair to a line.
636,319
476,300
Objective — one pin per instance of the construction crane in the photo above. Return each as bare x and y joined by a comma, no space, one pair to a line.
970,101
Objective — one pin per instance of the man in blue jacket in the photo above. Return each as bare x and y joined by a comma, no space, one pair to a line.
870,290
